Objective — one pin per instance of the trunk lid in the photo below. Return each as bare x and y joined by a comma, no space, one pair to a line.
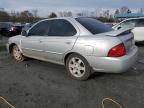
125,35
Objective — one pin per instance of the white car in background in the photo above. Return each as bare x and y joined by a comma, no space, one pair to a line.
138,27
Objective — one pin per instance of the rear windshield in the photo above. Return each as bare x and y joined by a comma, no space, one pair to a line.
93,25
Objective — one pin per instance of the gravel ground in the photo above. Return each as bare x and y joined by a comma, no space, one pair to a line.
37,84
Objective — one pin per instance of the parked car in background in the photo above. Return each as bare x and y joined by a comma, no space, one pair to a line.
9,29
83,45
15,30
27,26
4,28
138,27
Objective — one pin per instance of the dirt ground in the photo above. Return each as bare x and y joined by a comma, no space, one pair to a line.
37,84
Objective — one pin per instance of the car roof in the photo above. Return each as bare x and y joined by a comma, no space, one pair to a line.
57,18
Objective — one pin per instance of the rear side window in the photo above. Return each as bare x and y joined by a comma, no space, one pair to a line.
61,27
40,29
93,25
140,23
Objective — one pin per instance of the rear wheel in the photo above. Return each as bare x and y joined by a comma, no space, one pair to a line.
18,56
78,67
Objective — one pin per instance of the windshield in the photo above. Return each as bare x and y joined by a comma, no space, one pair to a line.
93,25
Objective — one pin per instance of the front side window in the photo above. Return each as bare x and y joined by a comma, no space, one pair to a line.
93,25
61,27
40,29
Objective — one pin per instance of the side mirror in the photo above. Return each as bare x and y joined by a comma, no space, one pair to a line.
24,33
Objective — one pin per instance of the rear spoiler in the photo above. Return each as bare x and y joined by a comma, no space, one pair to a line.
119,32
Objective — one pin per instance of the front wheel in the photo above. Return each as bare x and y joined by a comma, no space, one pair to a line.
17,54
78,67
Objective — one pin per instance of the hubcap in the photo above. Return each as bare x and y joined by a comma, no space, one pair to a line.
17,53
76,67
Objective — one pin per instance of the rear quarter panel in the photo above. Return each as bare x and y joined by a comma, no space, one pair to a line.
95,45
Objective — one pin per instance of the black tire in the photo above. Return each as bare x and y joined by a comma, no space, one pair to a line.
19,57
85,75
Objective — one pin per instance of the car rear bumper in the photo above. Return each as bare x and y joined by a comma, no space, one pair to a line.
113,65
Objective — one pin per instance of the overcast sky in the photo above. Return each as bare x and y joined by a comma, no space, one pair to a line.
57,5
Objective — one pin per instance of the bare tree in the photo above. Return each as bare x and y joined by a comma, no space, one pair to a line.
4,16
35,12
61,14
69,14
124,9
52,15
117,11
106,14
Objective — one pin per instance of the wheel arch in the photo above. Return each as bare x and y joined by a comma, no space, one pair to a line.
70,53
11,46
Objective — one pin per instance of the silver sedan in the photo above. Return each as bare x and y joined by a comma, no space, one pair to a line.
83,45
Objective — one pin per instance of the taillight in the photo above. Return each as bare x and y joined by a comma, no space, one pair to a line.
117,51
13,29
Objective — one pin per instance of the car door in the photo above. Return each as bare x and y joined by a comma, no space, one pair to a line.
32,45
61,38
139,30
